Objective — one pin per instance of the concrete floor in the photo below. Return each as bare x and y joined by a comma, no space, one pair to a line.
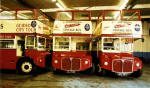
9,79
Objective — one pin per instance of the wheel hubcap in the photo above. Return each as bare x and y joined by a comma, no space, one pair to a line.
26,67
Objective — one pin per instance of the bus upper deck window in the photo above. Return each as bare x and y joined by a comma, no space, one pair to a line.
7,15
25,14
64,16
81,15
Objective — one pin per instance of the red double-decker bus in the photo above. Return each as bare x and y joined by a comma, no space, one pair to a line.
72,44
24,40
115,34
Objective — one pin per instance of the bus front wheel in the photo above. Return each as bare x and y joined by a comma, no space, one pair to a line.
26,67
137,74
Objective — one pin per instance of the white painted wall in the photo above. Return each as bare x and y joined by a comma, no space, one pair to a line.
140,46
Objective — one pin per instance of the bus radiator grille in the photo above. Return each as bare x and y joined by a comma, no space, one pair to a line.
122,65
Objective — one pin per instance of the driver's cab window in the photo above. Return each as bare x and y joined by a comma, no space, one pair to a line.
82,46
48,44
61,43
111,44
41,43
30,42
126,44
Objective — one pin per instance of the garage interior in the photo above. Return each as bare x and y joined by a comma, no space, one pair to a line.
46,79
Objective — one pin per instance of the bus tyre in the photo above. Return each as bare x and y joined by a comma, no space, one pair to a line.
137,74
26,67
91,70
103,72
100,71
56,71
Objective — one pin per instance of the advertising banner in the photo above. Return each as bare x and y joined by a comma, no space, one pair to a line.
23,26
122,27
72,27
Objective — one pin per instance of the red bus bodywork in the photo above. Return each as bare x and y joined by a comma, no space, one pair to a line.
72,59
17,28
109,57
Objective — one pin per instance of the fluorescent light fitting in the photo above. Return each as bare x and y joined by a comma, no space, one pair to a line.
122,7
117,14
124,4
59,6
53,0
61,3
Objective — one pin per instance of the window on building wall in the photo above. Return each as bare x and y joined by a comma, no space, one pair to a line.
6,44
82,46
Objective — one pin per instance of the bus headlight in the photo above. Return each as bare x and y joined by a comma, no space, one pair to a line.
105,63
55,61
40,60
137,64
86,62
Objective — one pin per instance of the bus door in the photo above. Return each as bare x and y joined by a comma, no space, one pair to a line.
20,46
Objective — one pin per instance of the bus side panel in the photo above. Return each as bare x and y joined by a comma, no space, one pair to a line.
104,58
38,56
8,59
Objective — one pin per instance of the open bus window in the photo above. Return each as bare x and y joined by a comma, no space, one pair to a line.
25,14
61,43
81,15
6,44
112,15
126,44
82,46
30,42
41,18
64,16
7,15
110,44
41,43
130,15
